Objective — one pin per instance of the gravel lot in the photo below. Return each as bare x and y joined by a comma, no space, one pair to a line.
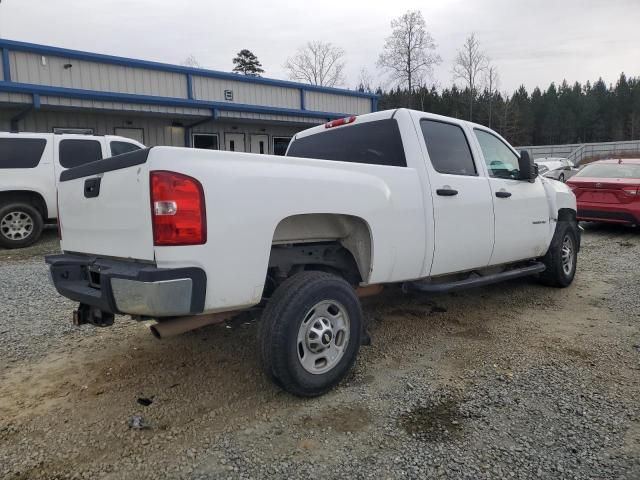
510,381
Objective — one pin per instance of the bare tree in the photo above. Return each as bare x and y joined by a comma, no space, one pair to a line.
469,64
409,52
492,81
317,63
365,81
191,61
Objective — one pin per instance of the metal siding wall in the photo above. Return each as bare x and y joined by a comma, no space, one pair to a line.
330,102
27,68
129,107
15,98
271,118
156,131
212,89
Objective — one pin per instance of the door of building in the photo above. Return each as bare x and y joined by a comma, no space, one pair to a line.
260,144
234,142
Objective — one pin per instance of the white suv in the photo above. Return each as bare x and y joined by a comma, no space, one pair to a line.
30,166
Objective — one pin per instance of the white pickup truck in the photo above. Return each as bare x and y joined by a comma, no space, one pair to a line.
190,237
30,165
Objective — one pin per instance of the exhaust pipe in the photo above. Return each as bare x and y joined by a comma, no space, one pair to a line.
369,290
176,326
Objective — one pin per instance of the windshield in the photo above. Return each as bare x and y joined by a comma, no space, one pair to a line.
610,170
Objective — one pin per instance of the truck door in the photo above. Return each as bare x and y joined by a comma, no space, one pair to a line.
521,208
462,209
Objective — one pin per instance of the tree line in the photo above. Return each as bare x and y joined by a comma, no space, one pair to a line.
559,114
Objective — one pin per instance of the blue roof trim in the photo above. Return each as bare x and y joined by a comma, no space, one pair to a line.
131,62
32,89
6,66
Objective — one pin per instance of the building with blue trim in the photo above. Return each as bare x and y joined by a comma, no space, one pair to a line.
50,89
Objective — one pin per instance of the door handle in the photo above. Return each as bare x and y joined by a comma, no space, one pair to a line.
446,192
503,194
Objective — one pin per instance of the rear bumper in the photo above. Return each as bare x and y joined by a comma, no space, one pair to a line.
600,212
125,287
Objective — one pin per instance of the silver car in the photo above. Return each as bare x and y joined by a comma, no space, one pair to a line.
557,168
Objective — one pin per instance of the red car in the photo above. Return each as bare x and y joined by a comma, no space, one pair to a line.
608,191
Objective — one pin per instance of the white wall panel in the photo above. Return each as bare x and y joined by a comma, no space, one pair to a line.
331,102
212,89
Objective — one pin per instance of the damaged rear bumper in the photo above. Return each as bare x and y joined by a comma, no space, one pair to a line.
128,287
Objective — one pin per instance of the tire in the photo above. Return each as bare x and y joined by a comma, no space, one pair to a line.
561,178
20,225
312,317
561,269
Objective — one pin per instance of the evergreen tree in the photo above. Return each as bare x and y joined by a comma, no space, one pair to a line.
247,63
558,115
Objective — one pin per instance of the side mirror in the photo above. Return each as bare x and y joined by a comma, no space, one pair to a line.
528,168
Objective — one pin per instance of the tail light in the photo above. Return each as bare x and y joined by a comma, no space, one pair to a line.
340,121
177,209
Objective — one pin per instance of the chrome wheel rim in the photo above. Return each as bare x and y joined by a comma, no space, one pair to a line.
16,225
323,336
567,255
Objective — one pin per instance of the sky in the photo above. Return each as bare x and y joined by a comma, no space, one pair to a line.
532,43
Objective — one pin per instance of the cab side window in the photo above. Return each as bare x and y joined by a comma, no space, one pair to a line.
118,148
500,159
448,148
75,152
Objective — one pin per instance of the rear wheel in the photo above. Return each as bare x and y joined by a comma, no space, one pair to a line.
561,177
310,333
20,225
562,257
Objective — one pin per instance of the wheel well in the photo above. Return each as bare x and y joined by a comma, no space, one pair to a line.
569,215
566,215
333,241
32,198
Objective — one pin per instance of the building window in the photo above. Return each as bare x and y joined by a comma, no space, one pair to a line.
280,145
208,141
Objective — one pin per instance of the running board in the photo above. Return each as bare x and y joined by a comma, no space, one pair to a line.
475,280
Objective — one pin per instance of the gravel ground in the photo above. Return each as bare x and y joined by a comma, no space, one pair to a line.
509,381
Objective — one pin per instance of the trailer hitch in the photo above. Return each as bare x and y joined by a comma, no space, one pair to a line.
92,315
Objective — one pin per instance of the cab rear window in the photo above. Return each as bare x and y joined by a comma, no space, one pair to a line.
21,152
376,143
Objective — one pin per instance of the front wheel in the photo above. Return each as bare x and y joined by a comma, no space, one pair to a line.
562,257
20,225
309,334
